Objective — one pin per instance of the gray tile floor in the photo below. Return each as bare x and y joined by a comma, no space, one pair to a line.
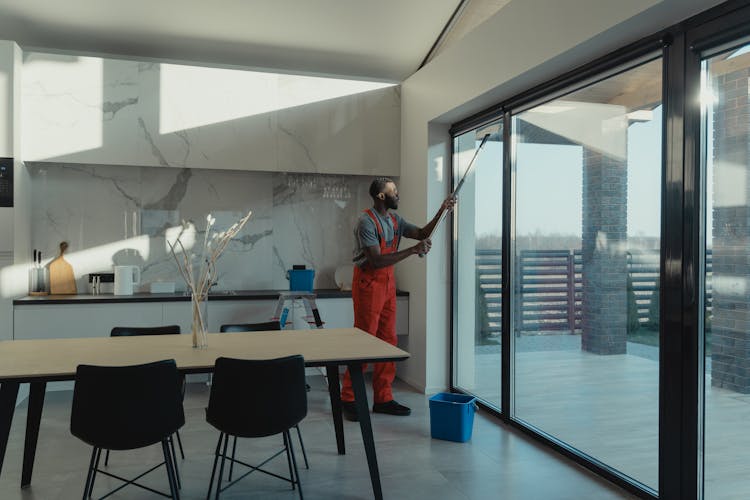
497,463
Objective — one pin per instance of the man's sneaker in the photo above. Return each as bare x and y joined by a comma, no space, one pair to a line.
391,408
349,409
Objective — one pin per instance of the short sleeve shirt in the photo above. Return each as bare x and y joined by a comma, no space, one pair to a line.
366,233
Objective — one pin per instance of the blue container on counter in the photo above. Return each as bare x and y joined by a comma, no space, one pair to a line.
301,280
452,416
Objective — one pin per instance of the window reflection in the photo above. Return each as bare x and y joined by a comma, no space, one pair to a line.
585,297
477,270
724,98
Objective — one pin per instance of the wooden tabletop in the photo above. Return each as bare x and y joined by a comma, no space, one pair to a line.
57,359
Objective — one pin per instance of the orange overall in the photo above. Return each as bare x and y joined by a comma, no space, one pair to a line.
374,297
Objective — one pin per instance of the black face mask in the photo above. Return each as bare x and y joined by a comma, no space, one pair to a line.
391,202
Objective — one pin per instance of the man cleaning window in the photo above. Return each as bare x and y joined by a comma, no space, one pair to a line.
377,236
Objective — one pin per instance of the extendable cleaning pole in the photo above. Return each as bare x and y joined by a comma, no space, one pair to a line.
460,184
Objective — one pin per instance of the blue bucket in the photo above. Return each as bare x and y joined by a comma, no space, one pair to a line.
452,416
301,280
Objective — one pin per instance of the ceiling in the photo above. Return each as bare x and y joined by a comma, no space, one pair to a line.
471,14
381,40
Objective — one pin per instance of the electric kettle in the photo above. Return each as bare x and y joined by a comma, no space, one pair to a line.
125,278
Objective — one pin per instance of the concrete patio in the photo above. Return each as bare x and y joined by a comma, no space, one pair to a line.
607,407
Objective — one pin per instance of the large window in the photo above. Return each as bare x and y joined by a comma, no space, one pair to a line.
477,271
726,157
602,282
586,322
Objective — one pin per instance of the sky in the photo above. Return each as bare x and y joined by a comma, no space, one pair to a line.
549,185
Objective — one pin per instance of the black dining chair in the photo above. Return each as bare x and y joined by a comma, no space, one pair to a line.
126,408
130,331
261,327
276,406
251,327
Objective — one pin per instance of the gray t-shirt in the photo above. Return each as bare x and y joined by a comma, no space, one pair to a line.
366,233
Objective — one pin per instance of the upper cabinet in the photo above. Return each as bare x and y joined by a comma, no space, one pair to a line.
116,112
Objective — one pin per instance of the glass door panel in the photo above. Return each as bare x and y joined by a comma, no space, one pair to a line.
726,159
585,296
477,266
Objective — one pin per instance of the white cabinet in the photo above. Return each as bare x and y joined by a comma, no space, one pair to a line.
336,313
42,321
402,316
228,312
339,313
85,320
177,313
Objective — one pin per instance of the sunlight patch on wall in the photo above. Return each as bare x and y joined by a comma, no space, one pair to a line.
14,279
73,101
191,96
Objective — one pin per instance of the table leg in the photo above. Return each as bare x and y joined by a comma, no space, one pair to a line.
8,395
363,412
33,418
332,373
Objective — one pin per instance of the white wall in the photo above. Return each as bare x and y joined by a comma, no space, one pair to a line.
121,215
14,221
119,112
527,42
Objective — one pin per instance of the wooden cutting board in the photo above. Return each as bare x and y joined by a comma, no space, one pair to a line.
61,278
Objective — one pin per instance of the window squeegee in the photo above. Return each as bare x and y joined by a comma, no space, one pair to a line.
460,184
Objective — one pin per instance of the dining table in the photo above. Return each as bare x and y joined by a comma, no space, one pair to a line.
38,362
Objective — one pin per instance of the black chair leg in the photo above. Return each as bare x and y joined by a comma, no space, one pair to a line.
302,445
93,475
168,462
288,457
174,458
213,469
106,459
231,464
179,444
86,488
221,469
294,462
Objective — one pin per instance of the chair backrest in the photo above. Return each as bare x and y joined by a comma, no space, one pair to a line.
251,327
126,407
129,331
241,406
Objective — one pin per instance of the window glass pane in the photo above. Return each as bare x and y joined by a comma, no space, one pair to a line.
477,263
585,297
727,280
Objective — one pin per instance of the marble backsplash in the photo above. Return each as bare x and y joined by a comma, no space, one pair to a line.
113,215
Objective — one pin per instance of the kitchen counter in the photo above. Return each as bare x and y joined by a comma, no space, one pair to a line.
331,293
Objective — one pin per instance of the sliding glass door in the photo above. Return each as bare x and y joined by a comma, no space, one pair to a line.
585,300
477,268
725,101
601,288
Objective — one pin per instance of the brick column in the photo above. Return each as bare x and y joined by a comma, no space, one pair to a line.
604,235
730,325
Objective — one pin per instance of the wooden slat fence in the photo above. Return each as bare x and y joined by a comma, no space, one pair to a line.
550,287
489,308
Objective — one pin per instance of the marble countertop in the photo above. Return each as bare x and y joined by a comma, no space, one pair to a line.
332,293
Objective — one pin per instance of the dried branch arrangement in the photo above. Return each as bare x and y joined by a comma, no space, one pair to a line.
199,269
